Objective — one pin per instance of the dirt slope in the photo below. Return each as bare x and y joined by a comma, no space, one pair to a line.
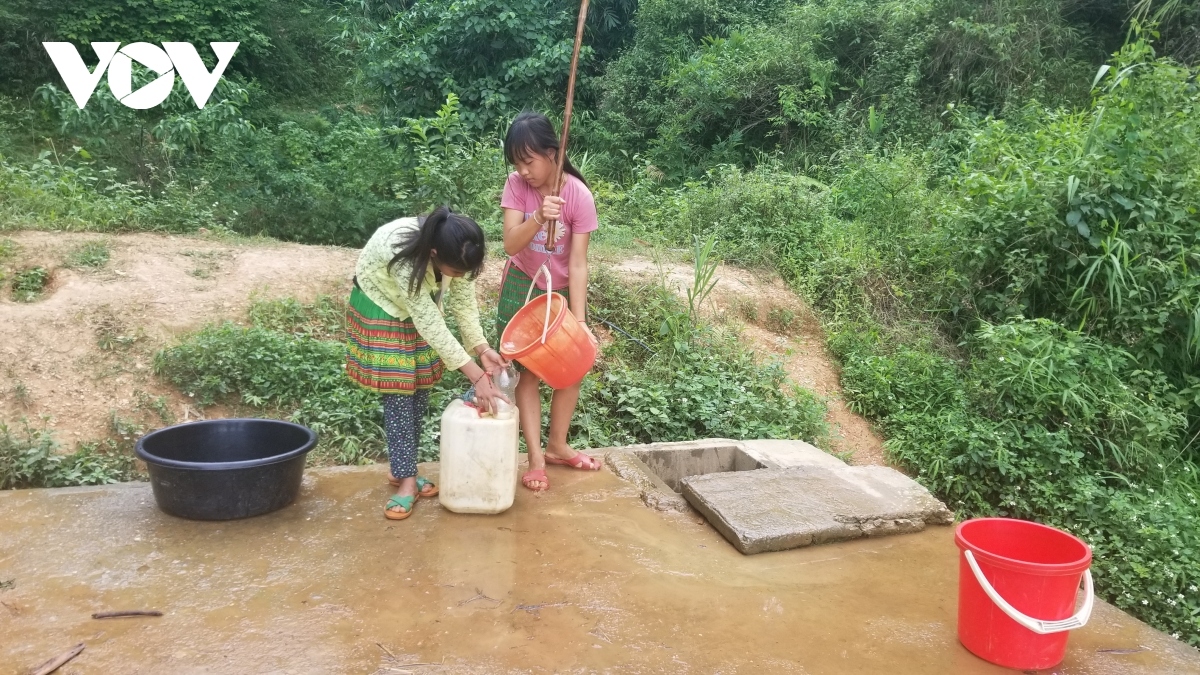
82,352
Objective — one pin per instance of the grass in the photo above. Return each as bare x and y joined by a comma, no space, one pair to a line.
27,284
288,363
31,457
20,392
92,255
780,319
207,263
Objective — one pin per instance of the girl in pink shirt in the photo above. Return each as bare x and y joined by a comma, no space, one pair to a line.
531,146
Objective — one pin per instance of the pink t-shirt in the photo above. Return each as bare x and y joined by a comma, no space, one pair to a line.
578,217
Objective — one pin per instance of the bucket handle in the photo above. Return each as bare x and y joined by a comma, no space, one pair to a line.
549,291
1079,620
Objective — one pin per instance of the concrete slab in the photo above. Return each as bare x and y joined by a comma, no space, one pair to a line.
581,579
772,495
780,453
779,509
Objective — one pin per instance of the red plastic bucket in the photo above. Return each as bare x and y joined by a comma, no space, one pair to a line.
567,354
1017,583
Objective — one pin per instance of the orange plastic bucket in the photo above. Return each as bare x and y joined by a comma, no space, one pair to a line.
1017,585
567,353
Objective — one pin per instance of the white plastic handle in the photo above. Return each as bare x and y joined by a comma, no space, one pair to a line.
1036,625
549,290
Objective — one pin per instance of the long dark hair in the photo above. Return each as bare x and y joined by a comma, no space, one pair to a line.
532,133
457,239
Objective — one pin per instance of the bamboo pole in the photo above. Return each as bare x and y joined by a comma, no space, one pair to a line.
566,128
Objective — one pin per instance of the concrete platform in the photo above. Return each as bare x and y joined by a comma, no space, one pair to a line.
582,579
775,495
780,509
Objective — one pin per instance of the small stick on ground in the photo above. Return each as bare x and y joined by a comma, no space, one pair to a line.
58,661
534,609
410,665
1136,650
479,596
386,651
126,612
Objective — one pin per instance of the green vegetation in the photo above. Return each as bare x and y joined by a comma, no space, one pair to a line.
32,458
289,363
27,284
992,207
89,255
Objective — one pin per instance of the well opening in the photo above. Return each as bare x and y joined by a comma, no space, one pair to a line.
673,465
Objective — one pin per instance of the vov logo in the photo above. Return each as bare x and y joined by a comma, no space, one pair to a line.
173,57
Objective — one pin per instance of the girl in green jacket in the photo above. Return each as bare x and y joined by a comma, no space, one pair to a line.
397,341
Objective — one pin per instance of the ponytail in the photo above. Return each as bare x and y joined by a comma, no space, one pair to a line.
457,239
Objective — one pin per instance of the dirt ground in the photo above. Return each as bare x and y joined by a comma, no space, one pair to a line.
80,356
83,351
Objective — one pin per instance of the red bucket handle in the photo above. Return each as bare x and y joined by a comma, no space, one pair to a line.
1079,620
549,291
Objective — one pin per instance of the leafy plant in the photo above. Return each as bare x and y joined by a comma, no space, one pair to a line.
499,56
30,458
89,255
680,328
27,284
1088,217
781,319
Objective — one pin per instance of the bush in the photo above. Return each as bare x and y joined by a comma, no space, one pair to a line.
294,376
758,217
704,84
717,393
58,193
290,363
1049,425
27,284
31,458
703,385
499,57
1097,397
335,182
1089,218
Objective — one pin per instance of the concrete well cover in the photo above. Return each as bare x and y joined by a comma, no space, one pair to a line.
779,509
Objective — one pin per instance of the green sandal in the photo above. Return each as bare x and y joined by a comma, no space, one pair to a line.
423,483
406,502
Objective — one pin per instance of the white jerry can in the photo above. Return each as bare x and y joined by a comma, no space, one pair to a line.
479,459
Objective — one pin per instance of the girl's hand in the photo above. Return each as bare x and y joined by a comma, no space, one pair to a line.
591,335
492,361
487,396
551,208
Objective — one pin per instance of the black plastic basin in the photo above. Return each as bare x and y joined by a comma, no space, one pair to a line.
226,469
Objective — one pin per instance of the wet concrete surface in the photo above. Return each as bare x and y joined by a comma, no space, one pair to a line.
584,578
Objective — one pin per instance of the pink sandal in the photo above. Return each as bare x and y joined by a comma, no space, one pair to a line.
581,461
535,475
